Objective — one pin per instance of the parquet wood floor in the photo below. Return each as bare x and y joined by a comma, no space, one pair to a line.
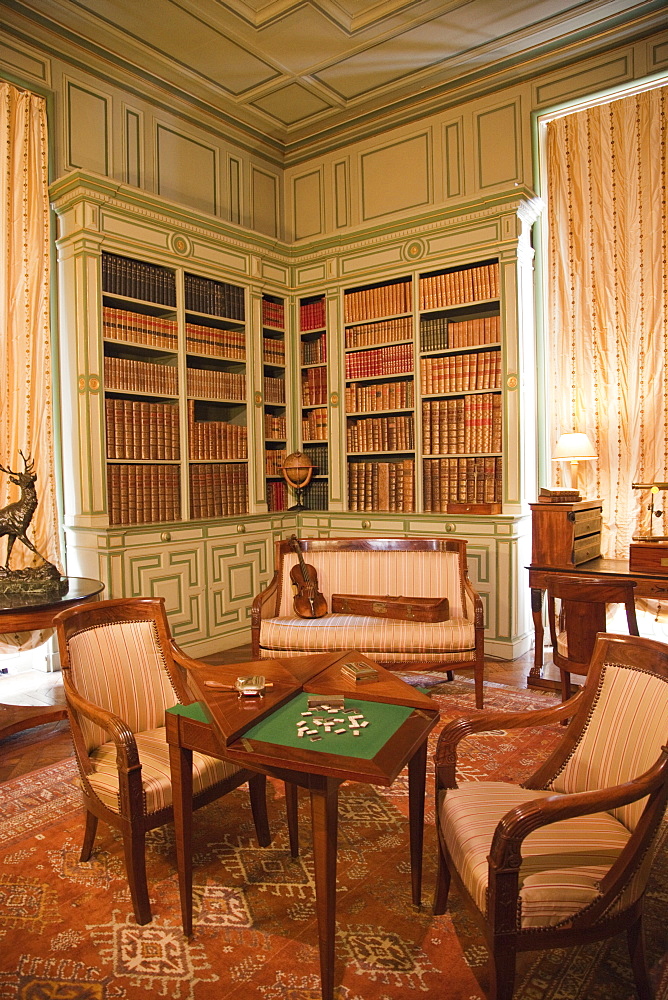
34,748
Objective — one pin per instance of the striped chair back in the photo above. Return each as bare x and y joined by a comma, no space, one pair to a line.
120,667
625,731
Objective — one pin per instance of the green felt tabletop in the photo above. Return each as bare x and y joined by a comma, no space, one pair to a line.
281,727
195,711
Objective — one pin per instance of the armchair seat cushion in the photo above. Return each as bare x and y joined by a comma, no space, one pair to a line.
562,863
385,638
155,774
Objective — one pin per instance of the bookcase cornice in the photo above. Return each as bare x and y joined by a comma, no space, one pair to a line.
124,200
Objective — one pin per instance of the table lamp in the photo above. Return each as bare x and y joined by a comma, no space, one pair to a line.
574,448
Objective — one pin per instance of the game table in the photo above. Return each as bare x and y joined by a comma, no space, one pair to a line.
261,733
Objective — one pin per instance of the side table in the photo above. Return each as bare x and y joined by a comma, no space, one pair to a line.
21,613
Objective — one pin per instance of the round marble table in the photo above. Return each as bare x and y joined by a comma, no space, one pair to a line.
26,613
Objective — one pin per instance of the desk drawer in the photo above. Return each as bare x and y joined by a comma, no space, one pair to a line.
585,549
587,522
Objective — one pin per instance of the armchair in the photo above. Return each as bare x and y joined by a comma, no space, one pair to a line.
120,674
564,858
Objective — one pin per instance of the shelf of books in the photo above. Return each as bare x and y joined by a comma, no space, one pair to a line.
215,350
313,391
275,418
379,380
145,403
140,340
460,388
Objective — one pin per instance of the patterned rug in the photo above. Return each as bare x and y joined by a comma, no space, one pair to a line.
67,931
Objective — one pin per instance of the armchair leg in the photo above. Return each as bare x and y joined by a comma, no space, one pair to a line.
636,942
89,836
565,684
442,884
257,786
291,792
134,847
502,972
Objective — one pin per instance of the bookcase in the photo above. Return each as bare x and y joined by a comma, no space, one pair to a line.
274,385
143,394
451,415
215,355
193,356
313,395
460,389
141,399
380,380
144,389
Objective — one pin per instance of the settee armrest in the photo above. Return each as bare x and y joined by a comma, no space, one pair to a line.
263,606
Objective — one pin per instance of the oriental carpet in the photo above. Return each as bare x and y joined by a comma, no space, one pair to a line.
67,931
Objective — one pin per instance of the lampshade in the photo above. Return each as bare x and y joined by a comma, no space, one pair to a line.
573,448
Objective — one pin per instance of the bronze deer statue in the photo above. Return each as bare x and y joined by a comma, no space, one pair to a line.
16,517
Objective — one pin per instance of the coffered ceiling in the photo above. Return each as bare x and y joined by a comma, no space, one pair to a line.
294,73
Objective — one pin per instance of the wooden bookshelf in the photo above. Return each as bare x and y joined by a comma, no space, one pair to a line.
217,416
141,404
460,387
455,396
146,405
314,394
275,400
379,374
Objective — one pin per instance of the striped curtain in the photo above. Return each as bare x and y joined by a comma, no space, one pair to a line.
607,313
26,422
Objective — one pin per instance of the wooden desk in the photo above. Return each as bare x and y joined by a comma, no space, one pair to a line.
647,585
32,613
243,730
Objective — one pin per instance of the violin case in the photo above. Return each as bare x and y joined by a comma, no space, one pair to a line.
409,609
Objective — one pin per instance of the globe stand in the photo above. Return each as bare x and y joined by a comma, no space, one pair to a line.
297,471
299,494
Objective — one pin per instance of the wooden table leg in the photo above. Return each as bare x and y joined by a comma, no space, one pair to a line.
181,765
537,615
324,819
417,776
292,809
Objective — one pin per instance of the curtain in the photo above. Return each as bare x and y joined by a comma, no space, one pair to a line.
26,418
607,303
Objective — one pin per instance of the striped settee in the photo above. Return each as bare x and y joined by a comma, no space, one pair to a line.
408,567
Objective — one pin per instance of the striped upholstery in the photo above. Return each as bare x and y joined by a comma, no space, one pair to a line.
120,667
155,775
407,573
638,703
447,642
562,863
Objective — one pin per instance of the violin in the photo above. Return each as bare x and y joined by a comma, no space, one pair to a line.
309,602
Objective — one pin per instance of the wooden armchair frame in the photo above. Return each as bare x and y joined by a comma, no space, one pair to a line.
500,924
131,820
